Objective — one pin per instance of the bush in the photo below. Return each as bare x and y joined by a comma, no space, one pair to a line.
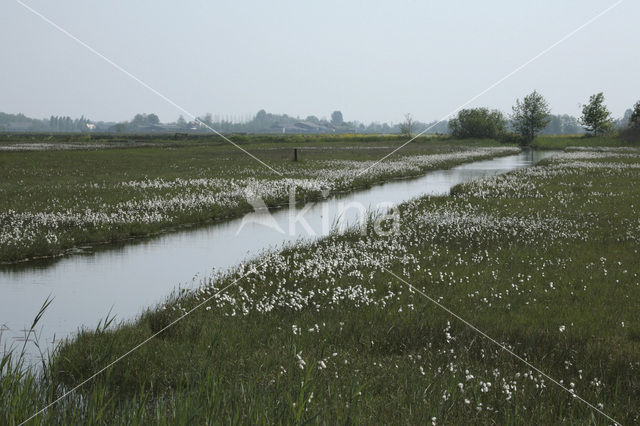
634,120
631,134
477,123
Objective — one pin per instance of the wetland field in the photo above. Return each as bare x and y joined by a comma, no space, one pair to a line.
59,195
513,299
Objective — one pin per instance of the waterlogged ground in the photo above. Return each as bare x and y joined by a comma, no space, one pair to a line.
56,200
544,260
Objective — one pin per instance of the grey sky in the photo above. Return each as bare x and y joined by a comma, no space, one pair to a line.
373,60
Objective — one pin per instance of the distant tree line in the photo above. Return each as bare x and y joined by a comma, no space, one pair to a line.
67,124
265,122
529,117
22,123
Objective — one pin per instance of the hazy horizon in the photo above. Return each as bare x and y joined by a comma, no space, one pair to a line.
374,61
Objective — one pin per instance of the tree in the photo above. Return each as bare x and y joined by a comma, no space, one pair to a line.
596,118
207,119
570,125
554,127
139,119
261,115
530,116
153,119
562,125
634,120
477,123
406,128
145,120
336,118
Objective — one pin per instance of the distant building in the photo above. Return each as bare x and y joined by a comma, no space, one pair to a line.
300,127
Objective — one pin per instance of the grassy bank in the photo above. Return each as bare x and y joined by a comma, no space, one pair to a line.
571,141
543,260
59,194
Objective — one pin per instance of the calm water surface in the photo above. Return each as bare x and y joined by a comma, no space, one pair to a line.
127,278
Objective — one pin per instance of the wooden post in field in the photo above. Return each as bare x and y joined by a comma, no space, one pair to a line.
295,154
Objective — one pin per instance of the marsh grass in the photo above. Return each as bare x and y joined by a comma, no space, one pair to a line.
75,185
322,335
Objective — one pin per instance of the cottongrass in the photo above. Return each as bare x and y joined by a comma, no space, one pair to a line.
162,202
347,339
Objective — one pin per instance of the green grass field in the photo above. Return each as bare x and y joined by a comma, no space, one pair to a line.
544,260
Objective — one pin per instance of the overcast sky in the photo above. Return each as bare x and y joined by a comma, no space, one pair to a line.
373,60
